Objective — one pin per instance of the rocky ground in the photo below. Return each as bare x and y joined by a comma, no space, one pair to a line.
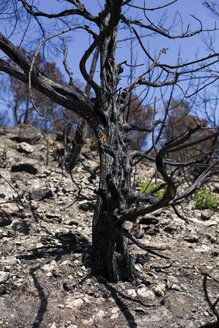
45,263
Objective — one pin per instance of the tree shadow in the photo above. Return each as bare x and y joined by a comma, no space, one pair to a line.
118,298
68,243
211,325
22,227
43,299
207,277
121,305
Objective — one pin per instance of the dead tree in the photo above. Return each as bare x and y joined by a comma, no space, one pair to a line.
117,202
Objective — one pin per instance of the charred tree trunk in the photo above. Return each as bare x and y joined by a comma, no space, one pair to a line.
111,257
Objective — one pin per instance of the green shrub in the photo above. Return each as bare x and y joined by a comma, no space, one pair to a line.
205,199
146,186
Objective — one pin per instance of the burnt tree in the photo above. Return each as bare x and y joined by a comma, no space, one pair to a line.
104,108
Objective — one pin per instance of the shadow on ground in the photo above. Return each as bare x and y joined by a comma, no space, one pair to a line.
68,243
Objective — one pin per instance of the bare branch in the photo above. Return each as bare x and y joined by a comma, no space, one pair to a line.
163,32
81,11
71,81
59,93
35,56
152,9
196,185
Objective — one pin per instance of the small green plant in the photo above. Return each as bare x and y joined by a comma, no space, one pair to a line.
5,149
205,199
147,186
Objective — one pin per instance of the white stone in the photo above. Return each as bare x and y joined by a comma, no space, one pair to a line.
3,276
132,292
53,325
25,147
49,267
202,248
66,262
100,314
138,267
146,293
115,313
74,303
86,299
173,279
160,289
88,322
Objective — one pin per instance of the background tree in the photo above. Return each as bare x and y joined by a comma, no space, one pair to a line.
53,117
179,120
117,202
139,117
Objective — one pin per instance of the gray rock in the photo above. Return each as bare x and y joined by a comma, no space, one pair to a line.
3,277
11,209
206,214
191,238
27,133
146,293
131,292
41,193
72,303
53,325
159,289
24,147
7,211
49,267
68,286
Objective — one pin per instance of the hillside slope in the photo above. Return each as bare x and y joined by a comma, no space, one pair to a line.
45,258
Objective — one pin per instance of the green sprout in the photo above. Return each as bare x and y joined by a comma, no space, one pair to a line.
205,199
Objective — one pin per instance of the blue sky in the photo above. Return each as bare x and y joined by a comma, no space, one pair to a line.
189,48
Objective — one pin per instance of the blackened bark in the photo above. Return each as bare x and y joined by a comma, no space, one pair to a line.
111,257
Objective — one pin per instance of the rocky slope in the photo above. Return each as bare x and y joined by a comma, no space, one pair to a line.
45,276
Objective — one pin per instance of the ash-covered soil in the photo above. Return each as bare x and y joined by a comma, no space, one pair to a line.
45,259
